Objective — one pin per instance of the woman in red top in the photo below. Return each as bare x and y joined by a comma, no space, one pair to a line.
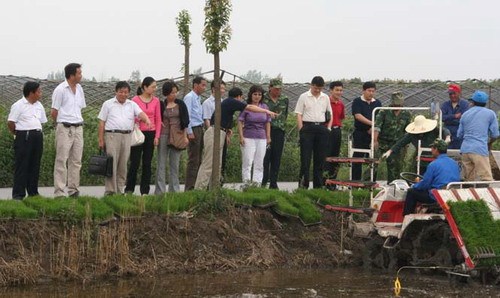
150,105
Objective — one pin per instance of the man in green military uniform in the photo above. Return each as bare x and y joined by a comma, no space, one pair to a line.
277,103
389,128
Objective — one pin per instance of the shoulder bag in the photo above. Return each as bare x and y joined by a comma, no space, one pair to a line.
137,136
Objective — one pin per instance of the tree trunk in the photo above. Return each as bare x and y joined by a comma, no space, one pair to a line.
186,69
215,179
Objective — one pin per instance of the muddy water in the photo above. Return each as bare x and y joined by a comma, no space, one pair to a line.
272,283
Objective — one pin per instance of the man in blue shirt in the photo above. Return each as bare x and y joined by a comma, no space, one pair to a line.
194,130
452,112
478,129
440,172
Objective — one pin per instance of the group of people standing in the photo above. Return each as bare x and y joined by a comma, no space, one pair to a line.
261,127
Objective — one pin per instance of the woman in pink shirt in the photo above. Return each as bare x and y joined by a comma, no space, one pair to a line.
150,105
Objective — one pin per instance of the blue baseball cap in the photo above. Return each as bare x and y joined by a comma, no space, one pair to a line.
479,97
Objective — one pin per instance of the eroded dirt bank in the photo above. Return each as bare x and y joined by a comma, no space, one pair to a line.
236,240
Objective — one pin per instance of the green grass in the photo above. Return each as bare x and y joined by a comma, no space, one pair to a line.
95,209
16,209
301,203
125,206
477,226
61,208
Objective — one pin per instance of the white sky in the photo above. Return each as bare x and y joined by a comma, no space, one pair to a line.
397,39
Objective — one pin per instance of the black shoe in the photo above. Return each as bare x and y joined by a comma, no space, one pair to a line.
273,187
75,194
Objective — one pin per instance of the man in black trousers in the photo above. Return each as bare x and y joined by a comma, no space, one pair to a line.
25,123
311,111
362,108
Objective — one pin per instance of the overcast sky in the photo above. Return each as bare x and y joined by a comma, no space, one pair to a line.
397,39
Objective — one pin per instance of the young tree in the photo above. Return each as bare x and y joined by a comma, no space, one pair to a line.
183,20
135,76
216,35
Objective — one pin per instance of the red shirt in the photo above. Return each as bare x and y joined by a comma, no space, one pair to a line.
338,112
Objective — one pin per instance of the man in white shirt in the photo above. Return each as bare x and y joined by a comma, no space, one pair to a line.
68,101
208,108
311,111
116,122
25,123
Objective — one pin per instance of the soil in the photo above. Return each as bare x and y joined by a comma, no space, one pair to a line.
238,239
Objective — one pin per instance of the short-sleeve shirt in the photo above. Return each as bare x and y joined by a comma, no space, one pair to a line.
119,116
338,112
254,123
208,107
365,108
27,116
313,108
69,105
228,107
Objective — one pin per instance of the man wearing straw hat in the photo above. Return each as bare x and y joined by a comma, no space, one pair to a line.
423,130
440,172
478,128
389,128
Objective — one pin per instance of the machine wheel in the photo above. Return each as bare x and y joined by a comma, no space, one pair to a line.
374,254
433,246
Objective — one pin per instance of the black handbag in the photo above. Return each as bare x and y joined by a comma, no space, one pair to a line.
101,164
328,116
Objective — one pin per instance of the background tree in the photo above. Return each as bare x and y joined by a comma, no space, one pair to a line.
216,35
256,77
183,20
135,76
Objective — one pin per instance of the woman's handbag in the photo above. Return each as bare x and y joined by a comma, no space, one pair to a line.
137,136
101,164
177,139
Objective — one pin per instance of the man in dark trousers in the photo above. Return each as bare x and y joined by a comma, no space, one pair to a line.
362,108
25,123
335,135
310,109
277,103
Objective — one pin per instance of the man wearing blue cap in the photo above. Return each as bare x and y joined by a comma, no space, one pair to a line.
478,128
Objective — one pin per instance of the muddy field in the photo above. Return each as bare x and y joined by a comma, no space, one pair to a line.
238,239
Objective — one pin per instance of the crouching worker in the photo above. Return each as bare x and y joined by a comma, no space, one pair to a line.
440,172
116,122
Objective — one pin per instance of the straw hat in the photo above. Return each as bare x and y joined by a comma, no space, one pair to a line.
421,125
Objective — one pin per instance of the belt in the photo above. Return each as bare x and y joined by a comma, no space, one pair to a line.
118,131
196,126
67,124
222,128
336,127
312,123
29,130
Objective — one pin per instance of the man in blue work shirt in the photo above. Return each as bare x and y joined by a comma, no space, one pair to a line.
452,112
478,129
194,130
440,172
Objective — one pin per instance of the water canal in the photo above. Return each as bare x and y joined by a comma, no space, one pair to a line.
344,282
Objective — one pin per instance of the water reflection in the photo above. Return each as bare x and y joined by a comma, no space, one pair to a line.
272,283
